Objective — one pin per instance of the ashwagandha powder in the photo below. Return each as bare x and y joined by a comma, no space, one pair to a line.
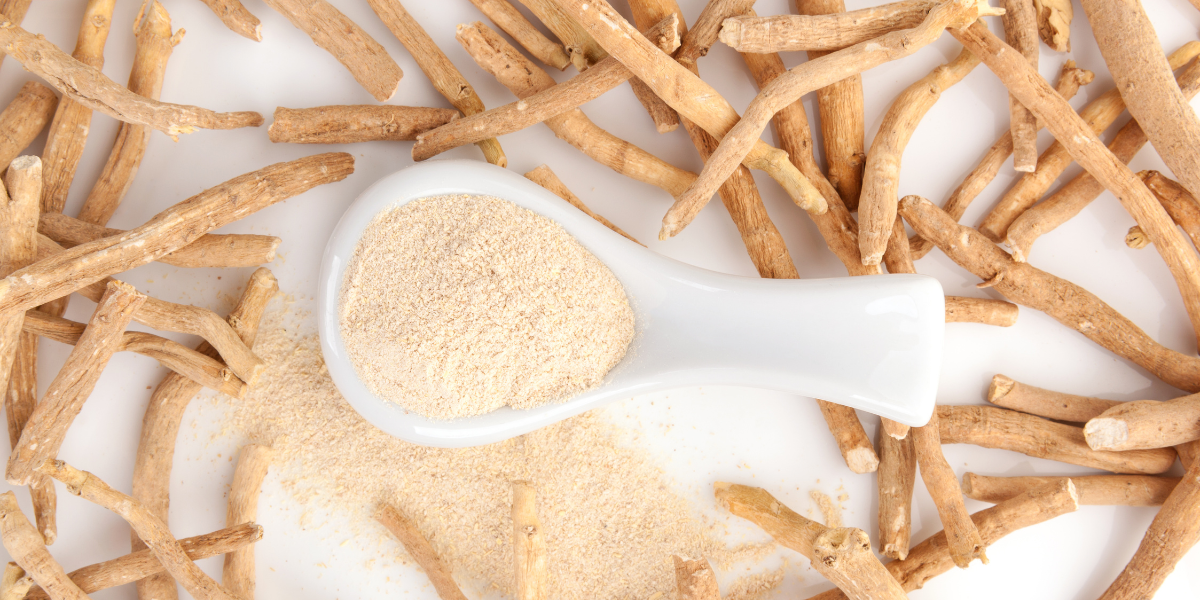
454,306
612,522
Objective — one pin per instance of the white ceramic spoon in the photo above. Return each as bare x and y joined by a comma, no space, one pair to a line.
873,343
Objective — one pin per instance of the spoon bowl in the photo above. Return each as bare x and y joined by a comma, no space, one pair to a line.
873,343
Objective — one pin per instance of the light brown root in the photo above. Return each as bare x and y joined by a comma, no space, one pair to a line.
27,548
1054,23
252,465
421,552
1145,424
24,119
235,16
1014,395
353,124
1099,490
529,544
964,539
851,438
1020,30
511,21
583,50
981,310
897,474
820,29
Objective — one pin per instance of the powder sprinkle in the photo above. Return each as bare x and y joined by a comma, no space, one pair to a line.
454,306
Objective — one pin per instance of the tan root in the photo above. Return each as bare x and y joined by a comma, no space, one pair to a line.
88,86
19,209
511,21
881,176
843,555
138,565
852,440
421,552
1145,424
164,415
583,50
209,250
1007,393
536,108
154,45
525,79
355,123
148,527
1069,82
1054,23
1175,529
334,32
1102,490
62,273
15,583
204,370
252,465
546,178
27,548
529,543
964,539
992,427
824,30
932,557
437,67
981,310
52,417
1020,30
897,474
1066,302
24,119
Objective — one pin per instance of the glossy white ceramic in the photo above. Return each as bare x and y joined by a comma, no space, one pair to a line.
873,343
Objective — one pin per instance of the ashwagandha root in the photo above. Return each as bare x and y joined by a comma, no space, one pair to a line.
1175,529
1001,429
1097,490
536,108
180,318
27,548
529,543
897,475
1134,56
419,549
740,140
546,178
981,310
69,129
1145,424
525,79
646,15
212,250
18,351
1178,202
164,414
207,371
695,579
1069,81
155,41
695,100
88,86
932,557
235,16
511,21
15,583
52,417
437,67
1087,149
1008,393
348,124
843,555
581,47
964,540
1054,23
820,31
65,272
1098,114
24,119
253,462
148,527
856,448
843,126
15,11
138,565
334,32
1066,302
881,176
1020,31
894,429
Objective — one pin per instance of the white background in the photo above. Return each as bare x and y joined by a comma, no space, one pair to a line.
702,435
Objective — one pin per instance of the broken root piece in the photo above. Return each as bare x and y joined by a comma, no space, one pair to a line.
352,124
1097,490
419,549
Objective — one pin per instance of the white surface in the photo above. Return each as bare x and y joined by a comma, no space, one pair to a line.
765,438
879,339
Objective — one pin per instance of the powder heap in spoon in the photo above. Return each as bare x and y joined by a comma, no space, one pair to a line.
454,306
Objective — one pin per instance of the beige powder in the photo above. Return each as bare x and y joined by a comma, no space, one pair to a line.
829,510
454,306
612,521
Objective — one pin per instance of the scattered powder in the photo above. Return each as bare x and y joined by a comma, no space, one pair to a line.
753,587
612,522
454,306
829,509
